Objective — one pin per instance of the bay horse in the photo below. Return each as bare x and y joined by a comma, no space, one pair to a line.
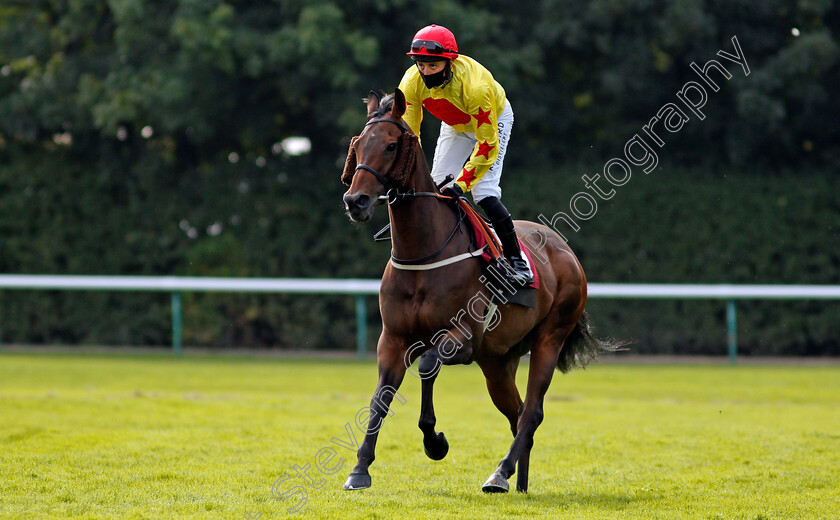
424,300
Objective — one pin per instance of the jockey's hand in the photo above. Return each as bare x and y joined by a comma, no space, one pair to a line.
453,191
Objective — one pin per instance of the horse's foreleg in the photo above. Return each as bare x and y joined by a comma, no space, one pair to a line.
450,348
391,371
435,444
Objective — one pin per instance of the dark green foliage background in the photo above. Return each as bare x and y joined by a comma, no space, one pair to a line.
748,195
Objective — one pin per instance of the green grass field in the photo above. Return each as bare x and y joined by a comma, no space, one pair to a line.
127,436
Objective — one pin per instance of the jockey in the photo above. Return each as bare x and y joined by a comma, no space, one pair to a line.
476,119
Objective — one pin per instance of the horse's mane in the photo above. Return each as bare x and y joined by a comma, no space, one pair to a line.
385,106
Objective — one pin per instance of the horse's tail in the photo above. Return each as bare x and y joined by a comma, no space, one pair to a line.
582,346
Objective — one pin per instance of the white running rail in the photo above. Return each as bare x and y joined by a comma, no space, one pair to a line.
362,287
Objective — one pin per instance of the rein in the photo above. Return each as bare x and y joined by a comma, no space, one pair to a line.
394,195
397,262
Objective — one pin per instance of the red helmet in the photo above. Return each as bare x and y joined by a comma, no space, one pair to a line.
433,43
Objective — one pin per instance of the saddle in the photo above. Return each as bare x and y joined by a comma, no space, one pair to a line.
484,237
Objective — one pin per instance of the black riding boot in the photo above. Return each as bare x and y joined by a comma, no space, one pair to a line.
517,269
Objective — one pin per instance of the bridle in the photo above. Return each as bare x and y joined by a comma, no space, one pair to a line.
393,195
362,166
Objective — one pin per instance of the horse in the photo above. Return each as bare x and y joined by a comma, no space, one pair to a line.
427,289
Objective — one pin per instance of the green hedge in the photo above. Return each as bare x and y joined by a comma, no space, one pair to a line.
675,225
701,225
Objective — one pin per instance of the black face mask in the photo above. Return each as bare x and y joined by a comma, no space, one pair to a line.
438,79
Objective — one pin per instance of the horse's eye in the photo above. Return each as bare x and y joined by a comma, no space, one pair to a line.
392,147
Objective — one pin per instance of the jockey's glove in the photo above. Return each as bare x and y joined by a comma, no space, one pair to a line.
453,191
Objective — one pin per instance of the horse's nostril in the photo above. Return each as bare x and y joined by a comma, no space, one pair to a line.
356,203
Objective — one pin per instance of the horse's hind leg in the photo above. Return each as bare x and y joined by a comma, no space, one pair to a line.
500,374
435,444
544,355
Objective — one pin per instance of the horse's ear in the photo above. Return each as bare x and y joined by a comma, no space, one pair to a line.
372,102
350,163
398,109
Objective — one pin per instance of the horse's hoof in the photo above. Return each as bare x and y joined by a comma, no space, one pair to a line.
438,448
496,484
357,481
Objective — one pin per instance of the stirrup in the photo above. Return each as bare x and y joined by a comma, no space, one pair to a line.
516,271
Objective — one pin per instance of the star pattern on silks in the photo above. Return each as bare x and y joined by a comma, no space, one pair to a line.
481,117
484,149
467,176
